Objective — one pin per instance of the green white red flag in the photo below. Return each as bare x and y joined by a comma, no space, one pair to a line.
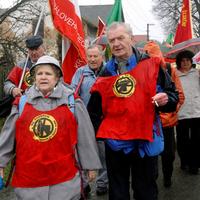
67,20
184,29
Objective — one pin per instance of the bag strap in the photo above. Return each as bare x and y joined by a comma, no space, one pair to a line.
23,98
22,103
71,103
76,93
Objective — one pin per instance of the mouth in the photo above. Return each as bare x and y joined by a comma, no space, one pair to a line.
44,83
117,50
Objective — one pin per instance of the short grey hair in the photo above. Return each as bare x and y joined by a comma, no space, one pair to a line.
115,25
99,47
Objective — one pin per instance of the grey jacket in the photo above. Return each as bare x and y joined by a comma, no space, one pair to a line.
86,147
191,86
89,78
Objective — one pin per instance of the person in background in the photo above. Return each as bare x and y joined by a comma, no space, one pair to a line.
52,136
124,108
36,49
82,81
188,129
169,120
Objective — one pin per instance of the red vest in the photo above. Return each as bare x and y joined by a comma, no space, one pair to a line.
128,111
15,75
45,144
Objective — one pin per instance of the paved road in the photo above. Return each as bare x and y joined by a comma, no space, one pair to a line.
185,187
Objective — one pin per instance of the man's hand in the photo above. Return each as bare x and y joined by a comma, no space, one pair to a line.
91,175
17,92
160,99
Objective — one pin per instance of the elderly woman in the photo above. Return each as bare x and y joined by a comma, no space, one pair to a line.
52,139
188,129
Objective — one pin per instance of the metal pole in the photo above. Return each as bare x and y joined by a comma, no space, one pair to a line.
148,37
27,57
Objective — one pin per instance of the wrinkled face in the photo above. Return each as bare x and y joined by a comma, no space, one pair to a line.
95,58
45,78
120,42
36,53
186,64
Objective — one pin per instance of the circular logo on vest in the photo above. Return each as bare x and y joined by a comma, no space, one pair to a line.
44,127
28,79
124,86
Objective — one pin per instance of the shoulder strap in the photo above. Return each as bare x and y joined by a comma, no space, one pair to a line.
76,93
71,103
23,98
22,103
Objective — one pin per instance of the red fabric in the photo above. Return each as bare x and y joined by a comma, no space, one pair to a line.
126,118
67,21
101,31
184,28
15,75
42,163
101,27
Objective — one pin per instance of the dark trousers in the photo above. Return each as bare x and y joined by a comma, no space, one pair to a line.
168,155
123,168
188,141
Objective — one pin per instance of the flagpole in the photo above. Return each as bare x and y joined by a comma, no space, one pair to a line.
27,57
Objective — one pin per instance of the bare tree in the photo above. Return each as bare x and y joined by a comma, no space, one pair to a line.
168,12
15,25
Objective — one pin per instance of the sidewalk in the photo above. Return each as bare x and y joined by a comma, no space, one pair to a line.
184,187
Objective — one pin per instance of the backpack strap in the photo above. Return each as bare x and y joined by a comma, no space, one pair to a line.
23,98
71,103
76,93
22,103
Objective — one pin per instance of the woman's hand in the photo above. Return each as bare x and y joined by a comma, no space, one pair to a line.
91,175
1,172
1,179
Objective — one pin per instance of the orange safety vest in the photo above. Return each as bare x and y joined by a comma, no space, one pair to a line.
171,119
128,111
45,142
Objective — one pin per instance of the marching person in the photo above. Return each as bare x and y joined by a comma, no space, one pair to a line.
54,136
125,105
169,120
188,129
82,81
36,49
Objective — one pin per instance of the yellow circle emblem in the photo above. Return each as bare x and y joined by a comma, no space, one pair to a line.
124,86
28,79
44,127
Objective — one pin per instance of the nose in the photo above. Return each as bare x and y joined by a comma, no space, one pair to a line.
43,76
115,42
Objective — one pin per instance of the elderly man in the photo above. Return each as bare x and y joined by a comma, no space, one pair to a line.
82,81
36,49
126,105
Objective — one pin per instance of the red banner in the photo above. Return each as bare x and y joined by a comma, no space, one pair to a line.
184,28
66,19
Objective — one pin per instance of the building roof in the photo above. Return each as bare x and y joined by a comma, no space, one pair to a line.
90,13
138,38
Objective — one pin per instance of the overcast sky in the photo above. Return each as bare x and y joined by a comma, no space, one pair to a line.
138,13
